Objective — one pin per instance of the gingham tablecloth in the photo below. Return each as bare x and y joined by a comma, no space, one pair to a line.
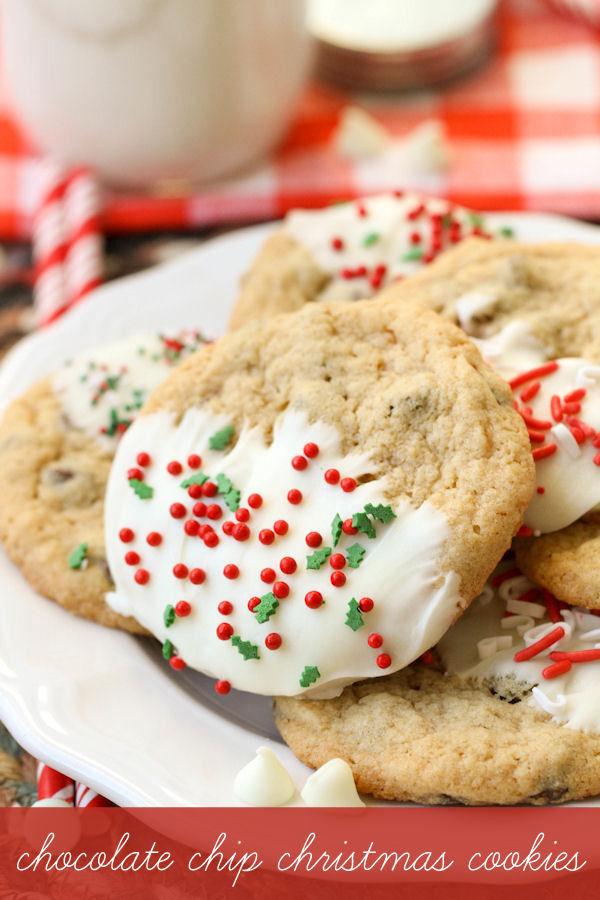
524,132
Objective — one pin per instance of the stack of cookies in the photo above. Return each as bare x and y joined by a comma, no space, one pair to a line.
380,511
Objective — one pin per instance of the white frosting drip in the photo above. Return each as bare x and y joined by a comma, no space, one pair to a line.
573,699
117,376
414,601
511,350
471,305
331,785
381,237
264,781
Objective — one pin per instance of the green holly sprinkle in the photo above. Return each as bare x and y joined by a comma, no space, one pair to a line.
169,615
232,499
507,232
361,521
198,478
309,676
223,483
246,648
316,559
143,490
221,438
266,608
168,650
475,219
412,255
354,555
380,512
371,238
336,529
354,619
77,556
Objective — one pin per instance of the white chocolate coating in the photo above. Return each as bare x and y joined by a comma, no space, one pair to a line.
331,785
264,781
414,601
511,350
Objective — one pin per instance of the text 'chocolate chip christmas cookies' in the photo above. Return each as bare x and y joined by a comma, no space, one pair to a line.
314,499
56,446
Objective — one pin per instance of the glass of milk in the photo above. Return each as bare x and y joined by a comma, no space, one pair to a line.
148,90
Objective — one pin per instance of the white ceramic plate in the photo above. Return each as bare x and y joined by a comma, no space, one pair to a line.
101,705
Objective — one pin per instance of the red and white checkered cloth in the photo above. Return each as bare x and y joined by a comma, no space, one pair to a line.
525,134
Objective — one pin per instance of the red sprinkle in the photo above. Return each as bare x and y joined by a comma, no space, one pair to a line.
266,536
281,589
546,369
273,641
191,527
224,631
294,496
497,580
254,501
182,609
197,576
126,535
194,491
199,509
337,243
143,459
194,461
225,607
375,640
559,668
348,484
427,658
573,397
384,660
365,604
338,579
530,391
313,599
132,558
242,514
311,450
174,467
337,561
530,596
348,527
556,409
577,433
227,527
240,532
332,476
415,237
177,510
209,489
537,424
154,538
211,539
268,575
536,437
543,452
299,463
142,576
180,571
214,511
288,565
524,531
177,663
544,642
253,603
597,459
576,655
222,687
280,527
135,473
572,408
540,489
231,571
596,440
313,539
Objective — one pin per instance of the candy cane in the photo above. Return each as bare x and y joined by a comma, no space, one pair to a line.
85,796
53,785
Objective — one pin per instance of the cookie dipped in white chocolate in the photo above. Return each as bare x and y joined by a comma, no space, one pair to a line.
246,563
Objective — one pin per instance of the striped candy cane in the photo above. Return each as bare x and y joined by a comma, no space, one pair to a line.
53,785
85,796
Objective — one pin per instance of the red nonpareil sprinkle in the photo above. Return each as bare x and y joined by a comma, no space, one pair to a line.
331,476
199,509
280,527
143,459
180,571
266,536
203,530
154,538
539,646
177,663
347,273
597,459
174,467
214,511
268,575
337,243
253,603
281,589
596,440
242,514
348,484
313,599
135,473
273,641
556,409
225,607
311,450
254,501
222,687
536,437
194,461
576,656
191,528
524,531
428,257
122,427
299,463
384,660
427,658
231,571
348,527
415,237
572,408
337,560
529,392
455,233
211,539
559,668
182,609
142,576
224,631
209,489
313,539
415,212
540,489
546,369
575,396
499,579
338,579
375,640
543,452
288,565
197,576
360,271
294,496
126,535
177,510
365,604
132,558
194,491
537,424
227,527
362,211
240,532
